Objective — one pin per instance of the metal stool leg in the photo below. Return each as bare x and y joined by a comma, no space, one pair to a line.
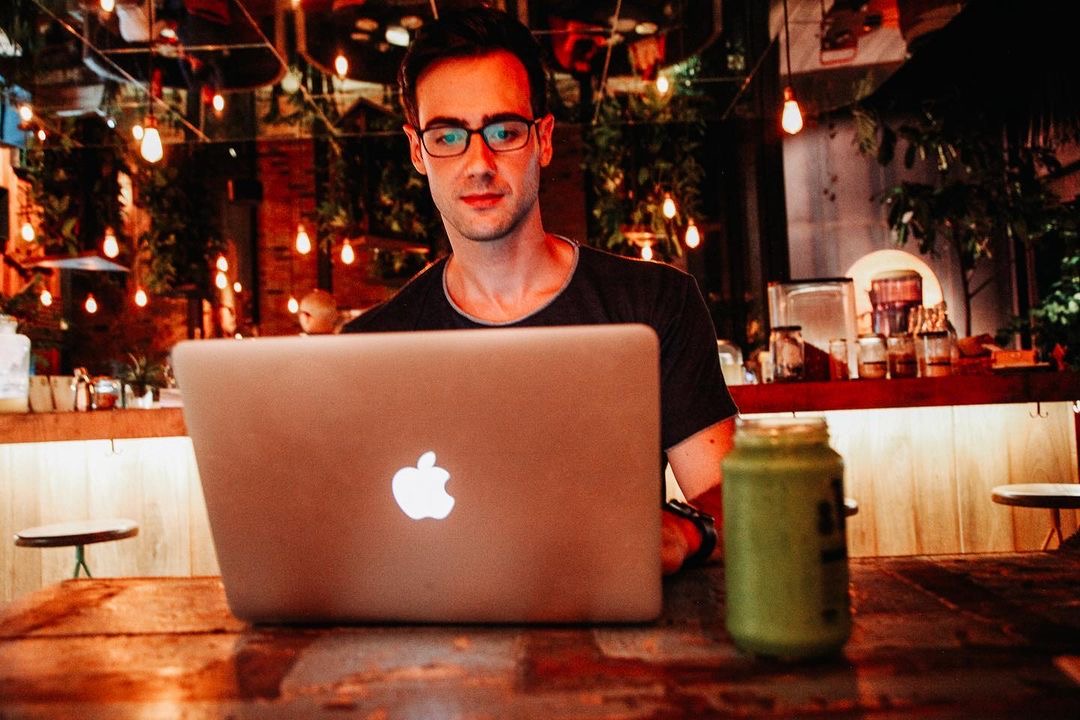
80,561
1055,528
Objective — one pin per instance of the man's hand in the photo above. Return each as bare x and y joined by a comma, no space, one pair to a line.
679,539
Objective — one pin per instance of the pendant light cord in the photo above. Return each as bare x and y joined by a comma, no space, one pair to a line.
787,43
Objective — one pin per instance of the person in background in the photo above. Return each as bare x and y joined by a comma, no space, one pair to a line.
473,90
318,313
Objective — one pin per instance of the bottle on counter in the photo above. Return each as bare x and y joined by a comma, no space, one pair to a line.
785,545
14,367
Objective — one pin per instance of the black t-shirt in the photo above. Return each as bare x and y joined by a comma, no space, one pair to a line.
603,288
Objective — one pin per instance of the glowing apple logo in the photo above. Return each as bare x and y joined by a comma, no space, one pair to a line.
421,491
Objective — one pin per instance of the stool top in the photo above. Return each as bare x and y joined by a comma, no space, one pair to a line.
81,532
1040,495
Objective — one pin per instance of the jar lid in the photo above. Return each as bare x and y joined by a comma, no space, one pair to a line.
776,430
787,328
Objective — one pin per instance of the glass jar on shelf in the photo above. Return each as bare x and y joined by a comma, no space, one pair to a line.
934,350
786,346
902,363
873,363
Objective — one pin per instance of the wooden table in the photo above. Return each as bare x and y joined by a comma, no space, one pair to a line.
993,636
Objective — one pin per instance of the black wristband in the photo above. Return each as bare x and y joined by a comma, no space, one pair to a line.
705,525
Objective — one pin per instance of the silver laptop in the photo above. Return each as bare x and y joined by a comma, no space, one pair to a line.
504,475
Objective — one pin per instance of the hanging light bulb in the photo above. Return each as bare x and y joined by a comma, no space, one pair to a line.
137,132
111,122
26,232
290,83
108,5
662,84
42,135
46,298
151,148
110,247
341,65
348,255
222,263
221,281
669,208
295,4
791,116
791,119
26,113
303,242
90,304
646,251
693,237
237,287
140,297
294,305
218,102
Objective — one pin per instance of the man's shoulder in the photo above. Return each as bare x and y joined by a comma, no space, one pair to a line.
405,309
607,264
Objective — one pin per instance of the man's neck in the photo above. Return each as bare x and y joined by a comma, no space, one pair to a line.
506,280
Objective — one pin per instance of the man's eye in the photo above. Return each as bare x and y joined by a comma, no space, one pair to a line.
450,136
503,133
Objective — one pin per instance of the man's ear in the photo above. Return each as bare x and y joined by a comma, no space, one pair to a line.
415,149
544,130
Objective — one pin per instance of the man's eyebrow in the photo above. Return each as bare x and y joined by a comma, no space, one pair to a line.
444,121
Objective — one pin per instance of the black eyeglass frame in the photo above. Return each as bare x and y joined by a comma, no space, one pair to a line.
469,132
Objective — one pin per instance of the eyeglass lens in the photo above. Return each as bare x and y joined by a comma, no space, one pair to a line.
501,136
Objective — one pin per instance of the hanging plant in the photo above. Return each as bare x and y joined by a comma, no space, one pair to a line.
641,149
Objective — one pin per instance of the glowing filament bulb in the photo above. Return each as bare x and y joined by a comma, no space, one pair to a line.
26,113
221,281
341,65
151,148
791,119
294,305
237,287
222,263
140,297
46,298
26,232
303,242
693,237
108,5
110,247
662,84
90,304
348,255
218,102
646,252
137,132
42,135
669,208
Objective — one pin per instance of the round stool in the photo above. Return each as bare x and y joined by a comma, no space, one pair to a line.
79,534
1053,496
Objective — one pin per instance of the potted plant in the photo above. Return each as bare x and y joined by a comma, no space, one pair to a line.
143,376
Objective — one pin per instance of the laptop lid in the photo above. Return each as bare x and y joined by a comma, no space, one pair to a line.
504,475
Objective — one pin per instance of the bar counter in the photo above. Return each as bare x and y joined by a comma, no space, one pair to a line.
991,636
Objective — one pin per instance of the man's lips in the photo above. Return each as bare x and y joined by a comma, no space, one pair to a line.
481,200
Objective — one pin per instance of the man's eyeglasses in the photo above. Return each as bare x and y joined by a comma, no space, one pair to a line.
500,136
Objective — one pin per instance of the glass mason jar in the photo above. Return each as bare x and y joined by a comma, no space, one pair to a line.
786,346
14,367
902,356
873,363
935,353
785,545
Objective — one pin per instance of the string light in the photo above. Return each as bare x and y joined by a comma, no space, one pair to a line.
646,251
218,103
151,148
341,65
348,255
662,84
303,242
137,132
140,297
110,247
669,208
41,134
108,5
46,298
693,237
237,287
222,263
27,232
791,116
91,304
294,305
26,113
221,281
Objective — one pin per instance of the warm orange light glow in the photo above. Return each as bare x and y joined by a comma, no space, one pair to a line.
27,232
341,65
693,237
669,208
221,281
151,148
222,263
90,304
646,252
237,287
137,132
140,298
108,5
26,113
303,242
791,120
46,298
294,305
42,135
110,247
662,84
348,255
218,102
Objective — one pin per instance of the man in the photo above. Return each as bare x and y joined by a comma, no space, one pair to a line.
473,90
318,313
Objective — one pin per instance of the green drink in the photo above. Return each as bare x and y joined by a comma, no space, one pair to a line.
785,549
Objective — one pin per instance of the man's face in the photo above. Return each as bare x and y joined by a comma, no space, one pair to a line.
482,195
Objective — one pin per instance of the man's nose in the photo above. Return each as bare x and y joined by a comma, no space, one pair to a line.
479,158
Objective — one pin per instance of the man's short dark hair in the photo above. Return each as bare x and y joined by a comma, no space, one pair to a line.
469,33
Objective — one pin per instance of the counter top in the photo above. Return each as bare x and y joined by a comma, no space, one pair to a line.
944,637
96,425
991,389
